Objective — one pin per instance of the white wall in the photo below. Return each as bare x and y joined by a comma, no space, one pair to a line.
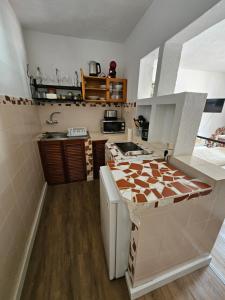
13,81
167,69
147,73
199,81
212,83
161,21
69,54
170,120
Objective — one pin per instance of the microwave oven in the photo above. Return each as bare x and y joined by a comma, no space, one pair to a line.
113,126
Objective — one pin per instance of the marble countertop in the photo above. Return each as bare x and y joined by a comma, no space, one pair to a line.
155,182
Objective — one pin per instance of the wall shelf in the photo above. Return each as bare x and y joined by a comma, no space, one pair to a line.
57,100
95,89
57,87
91,86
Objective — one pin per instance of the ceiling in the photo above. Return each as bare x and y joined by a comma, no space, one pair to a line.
109,20
206,51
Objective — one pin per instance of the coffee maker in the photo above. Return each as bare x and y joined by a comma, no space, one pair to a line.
142,124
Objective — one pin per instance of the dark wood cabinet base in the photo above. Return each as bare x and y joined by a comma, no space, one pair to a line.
98,148
63,161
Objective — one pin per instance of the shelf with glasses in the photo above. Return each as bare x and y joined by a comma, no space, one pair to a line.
95,89
67,94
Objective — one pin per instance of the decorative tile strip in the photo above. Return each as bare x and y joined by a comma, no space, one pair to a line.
4,99
129,104
89,159
86,104
132,252
16,101
79,104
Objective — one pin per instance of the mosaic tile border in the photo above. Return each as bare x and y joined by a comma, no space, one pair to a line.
132,251
4,99
86,104
89,159
16,100
129,104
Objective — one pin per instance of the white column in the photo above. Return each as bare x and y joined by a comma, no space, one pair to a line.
167,69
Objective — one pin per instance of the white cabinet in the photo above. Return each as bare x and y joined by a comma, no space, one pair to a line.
115,225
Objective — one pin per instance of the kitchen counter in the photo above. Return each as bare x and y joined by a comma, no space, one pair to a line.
94,136
61,136
175,219
155,182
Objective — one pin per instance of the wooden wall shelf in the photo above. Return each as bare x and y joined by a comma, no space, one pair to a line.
95,89
115,90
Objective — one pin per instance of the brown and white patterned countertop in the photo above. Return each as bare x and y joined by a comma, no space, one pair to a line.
155,182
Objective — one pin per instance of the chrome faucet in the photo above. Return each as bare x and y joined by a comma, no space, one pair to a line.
50,121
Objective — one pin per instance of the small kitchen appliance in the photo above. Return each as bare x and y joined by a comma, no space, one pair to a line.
112,69
113,126
144,131
110,114
143,125
94,68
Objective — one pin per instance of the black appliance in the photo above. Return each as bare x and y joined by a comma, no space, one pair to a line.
141,122
144,131
113,126
214,105
127,147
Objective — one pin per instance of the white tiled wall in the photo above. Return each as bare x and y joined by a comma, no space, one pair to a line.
21,182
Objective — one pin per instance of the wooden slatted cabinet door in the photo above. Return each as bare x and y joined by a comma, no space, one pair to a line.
98,156
52,161
75,160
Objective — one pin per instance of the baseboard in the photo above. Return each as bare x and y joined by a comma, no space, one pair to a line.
167,277
30,244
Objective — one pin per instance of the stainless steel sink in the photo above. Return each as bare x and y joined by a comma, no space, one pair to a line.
55,135
60,136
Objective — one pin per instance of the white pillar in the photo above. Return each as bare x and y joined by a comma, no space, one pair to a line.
167,69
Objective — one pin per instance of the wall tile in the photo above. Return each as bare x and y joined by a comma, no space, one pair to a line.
21,181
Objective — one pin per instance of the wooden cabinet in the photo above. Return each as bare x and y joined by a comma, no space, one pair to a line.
75,162
52,161
63,161
116,90
103,89
98,148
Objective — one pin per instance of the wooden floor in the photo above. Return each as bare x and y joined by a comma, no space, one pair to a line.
67,262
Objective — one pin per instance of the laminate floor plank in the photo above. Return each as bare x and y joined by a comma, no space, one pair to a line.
67,261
